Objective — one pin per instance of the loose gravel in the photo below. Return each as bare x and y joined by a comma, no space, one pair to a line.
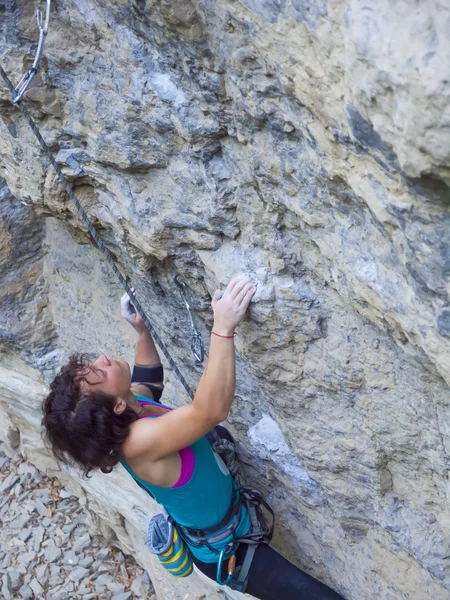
47,551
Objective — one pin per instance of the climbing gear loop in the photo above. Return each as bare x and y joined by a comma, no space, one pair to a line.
22,87
197,345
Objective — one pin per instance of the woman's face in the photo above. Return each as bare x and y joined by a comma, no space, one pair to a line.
109,376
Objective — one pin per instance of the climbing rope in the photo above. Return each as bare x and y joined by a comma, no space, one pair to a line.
97,240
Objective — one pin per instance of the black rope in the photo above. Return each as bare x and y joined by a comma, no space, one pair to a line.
97,240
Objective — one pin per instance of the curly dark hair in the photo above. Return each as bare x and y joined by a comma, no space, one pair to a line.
82,429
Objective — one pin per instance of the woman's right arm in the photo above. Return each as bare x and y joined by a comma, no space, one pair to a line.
215,393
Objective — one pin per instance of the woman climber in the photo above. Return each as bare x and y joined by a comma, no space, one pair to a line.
97,414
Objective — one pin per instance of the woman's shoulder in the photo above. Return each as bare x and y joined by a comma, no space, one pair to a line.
137,433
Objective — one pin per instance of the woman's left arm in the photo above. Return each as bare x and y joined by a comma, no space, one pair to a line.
148,368
146,352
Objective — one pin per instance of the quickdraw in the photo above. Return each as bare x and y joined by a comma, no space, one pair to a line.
197,345
22,87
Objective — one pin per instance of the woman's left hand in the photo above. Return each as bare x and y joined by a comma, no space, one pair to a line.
130,314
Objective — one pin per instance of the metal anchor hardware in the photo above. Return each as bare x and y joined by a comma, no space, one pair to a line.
22,87
197,345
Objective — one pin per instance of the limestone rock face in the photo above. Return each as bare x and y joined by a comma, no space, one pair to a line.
306,142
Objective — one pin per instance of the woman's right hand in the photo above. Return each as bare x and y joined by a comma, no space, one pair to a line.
230,306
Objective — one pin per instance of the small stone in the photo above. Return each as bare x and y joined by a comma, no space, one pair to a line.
36,586
38,537
69,528
103,553
58,594
7,589
78,573
26,558
64,494
103,580
81,543
123,596
16,579
52,553
141,586
70,558
55,578
42,574
40,507
26,592
18,542
8,483
25,535
27,469
115,587
123,571
86,562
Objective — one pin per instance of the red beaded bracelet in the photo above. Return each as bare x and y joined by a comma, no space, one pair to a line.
223,336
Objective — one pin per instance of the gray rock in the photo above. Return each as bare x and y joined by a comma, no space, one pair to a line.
42,574
64,494
27,558
115,587
103,553
36,587
55,578
103,580
52,553
58,594
69,528
26,592
16,579
81,543
40,507
123,571
7,588
38,535
78,573
8,483
141,586
25,534
86,562
122,596
28,469
70,558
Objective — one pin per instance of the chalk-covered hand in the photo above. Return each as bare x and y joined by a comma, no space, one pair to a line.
231,305
130,314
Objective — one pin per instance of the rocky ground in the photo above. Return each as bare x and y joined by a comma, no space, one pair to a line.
47,550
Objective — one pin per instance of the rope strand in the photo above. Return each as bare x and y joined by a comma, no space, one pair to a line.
97,240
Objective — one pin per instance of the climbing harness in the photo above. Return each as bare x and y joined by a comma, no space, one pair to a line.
22,87
197,345
260,533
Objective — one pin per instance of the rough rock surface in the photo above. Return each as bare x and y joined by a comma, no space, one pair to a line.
307,142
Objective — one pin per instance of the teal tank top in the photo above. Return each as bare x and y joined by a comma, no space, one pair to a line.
204,500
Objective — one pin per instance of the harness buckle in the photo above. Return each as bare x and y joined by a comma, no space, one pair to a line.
43,24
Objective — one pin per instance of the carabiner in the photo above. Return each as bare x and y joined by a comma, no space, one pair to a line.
231,567
197,345
22,87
